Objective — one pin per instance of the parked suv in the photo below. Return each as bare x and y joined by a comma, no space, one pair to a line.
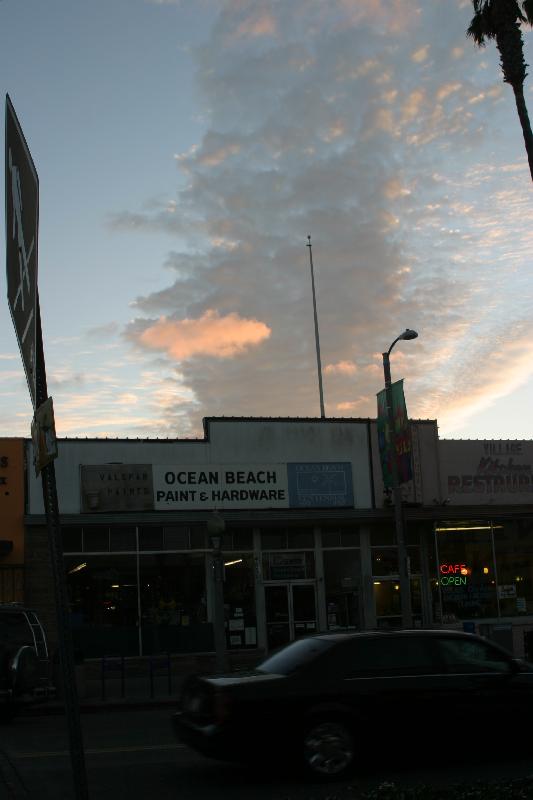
24,661
335,701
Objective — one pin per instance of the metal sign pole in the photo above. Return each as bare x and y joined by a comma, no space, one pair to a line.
66,655
22,234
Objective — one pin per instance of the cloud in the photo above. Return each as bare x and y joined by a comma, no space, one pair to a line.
353,122
211,335
341,368
106,331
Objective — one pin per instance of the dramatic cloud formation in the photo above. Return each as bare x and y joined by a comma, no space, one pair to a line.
354,122
210,335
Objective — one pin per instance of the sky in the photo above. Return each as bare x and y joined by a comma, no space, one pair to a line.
186,149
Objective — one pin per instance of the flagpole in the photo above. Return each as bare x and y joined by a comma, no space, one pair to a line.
317,338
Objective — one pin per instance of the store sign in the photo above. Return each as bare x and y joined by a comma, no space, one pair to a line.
486,472
220,486
453,574
322,485
116,487
287,566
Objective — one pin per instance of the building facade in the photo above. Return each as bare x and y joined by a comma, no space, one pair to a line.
11,520
309,541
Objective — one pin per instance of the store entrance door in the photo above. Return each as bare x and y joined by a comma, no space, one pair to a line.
290,612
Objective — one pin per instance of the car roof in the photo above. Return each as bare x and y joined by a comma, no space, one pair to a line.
407,633
14,607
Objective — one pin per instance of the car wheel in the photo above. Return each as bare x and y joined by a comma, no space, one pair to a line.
328,749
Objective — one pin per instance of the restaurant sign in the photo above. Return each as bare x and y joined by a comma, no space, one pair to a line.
492,471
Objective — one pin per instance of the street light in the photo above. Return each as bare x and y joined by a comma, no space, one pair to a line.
215,528
405,586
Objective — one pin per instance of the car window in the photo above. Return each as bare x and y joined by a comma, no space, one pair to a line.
14,630
383,656
295,656
461,655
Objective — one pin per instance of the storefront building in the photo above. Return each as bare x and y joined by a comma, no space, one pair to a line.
309,541
483,541
11,520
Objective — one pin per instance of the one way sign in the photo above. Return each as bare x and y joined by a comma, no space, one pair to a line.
22,222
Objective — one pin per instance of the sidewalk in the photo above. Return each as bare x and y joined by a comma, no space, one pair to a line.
121,683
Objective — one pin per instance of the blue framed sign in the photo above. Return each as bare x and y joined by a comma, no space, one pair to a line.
320,485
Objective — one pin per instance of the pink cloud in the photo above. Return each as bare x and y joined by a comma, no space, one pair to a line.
210,335
341,368
259,24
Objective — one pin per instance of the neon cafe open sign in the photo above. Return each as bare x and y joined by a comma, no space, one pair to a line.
453,574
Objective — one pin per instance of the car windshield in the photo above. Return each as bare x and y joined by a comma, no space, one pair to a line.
294,656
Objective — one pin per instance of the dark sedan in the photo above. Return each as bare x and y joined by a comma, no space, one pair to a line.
331,701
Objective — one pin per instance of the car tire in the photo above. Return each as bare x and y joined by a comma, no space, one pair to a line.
328,748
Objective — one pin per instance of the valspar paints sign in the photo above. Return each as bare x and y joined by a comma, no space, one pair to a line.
220,486
492,471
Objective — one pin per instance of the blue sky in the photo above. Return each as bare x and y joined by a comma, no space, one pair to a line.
186,149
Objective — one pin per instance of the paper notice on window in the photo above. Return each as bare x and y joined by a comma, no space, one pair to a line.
250,636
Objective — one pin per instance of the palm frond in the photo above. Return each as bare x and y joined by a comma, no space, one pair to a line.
476,30
527,6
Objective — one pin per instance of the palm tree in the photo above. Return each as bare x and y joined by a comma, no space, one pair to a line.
500,20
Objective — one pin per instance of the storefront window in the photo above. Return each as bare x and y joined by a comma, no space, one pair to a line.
514,561
291,538
123,538
239,600
387,596
72,539
174,603
464,572
340,536
289,566
341,576
103,604
240,539
385,561
96,538
150,538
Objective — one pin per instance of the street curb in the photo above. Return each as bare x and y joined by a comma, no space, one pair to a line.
54,709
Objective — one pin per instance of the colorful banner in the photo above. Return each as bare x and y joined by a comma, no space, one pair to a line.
402,432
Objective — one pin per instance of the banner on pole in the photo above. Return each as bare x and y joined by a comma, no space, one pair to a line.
402,437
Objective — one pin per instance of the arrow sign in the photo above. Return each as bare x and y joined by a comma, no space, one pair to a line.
22,223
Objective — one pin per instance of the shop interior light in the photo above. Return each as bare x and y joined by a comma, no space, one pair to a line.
469,528
230,563
377,583
77,569
115,585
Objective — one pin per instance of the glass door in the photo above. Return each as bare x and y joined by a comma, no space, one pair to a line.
277,615
303,609
290,612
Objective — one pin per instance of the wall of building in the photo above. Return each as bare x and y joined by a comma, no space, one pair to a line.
483,472
256,448
425,487
12,499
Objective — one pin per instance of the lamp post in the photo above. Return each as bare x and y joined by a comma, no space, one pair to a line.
215,528
403,563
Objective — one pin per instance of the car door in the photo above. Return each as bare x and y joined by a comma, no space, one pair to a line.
481,695
389,681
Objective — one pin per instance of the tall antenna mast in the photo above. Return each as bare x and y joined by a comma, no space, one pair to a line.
317,338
